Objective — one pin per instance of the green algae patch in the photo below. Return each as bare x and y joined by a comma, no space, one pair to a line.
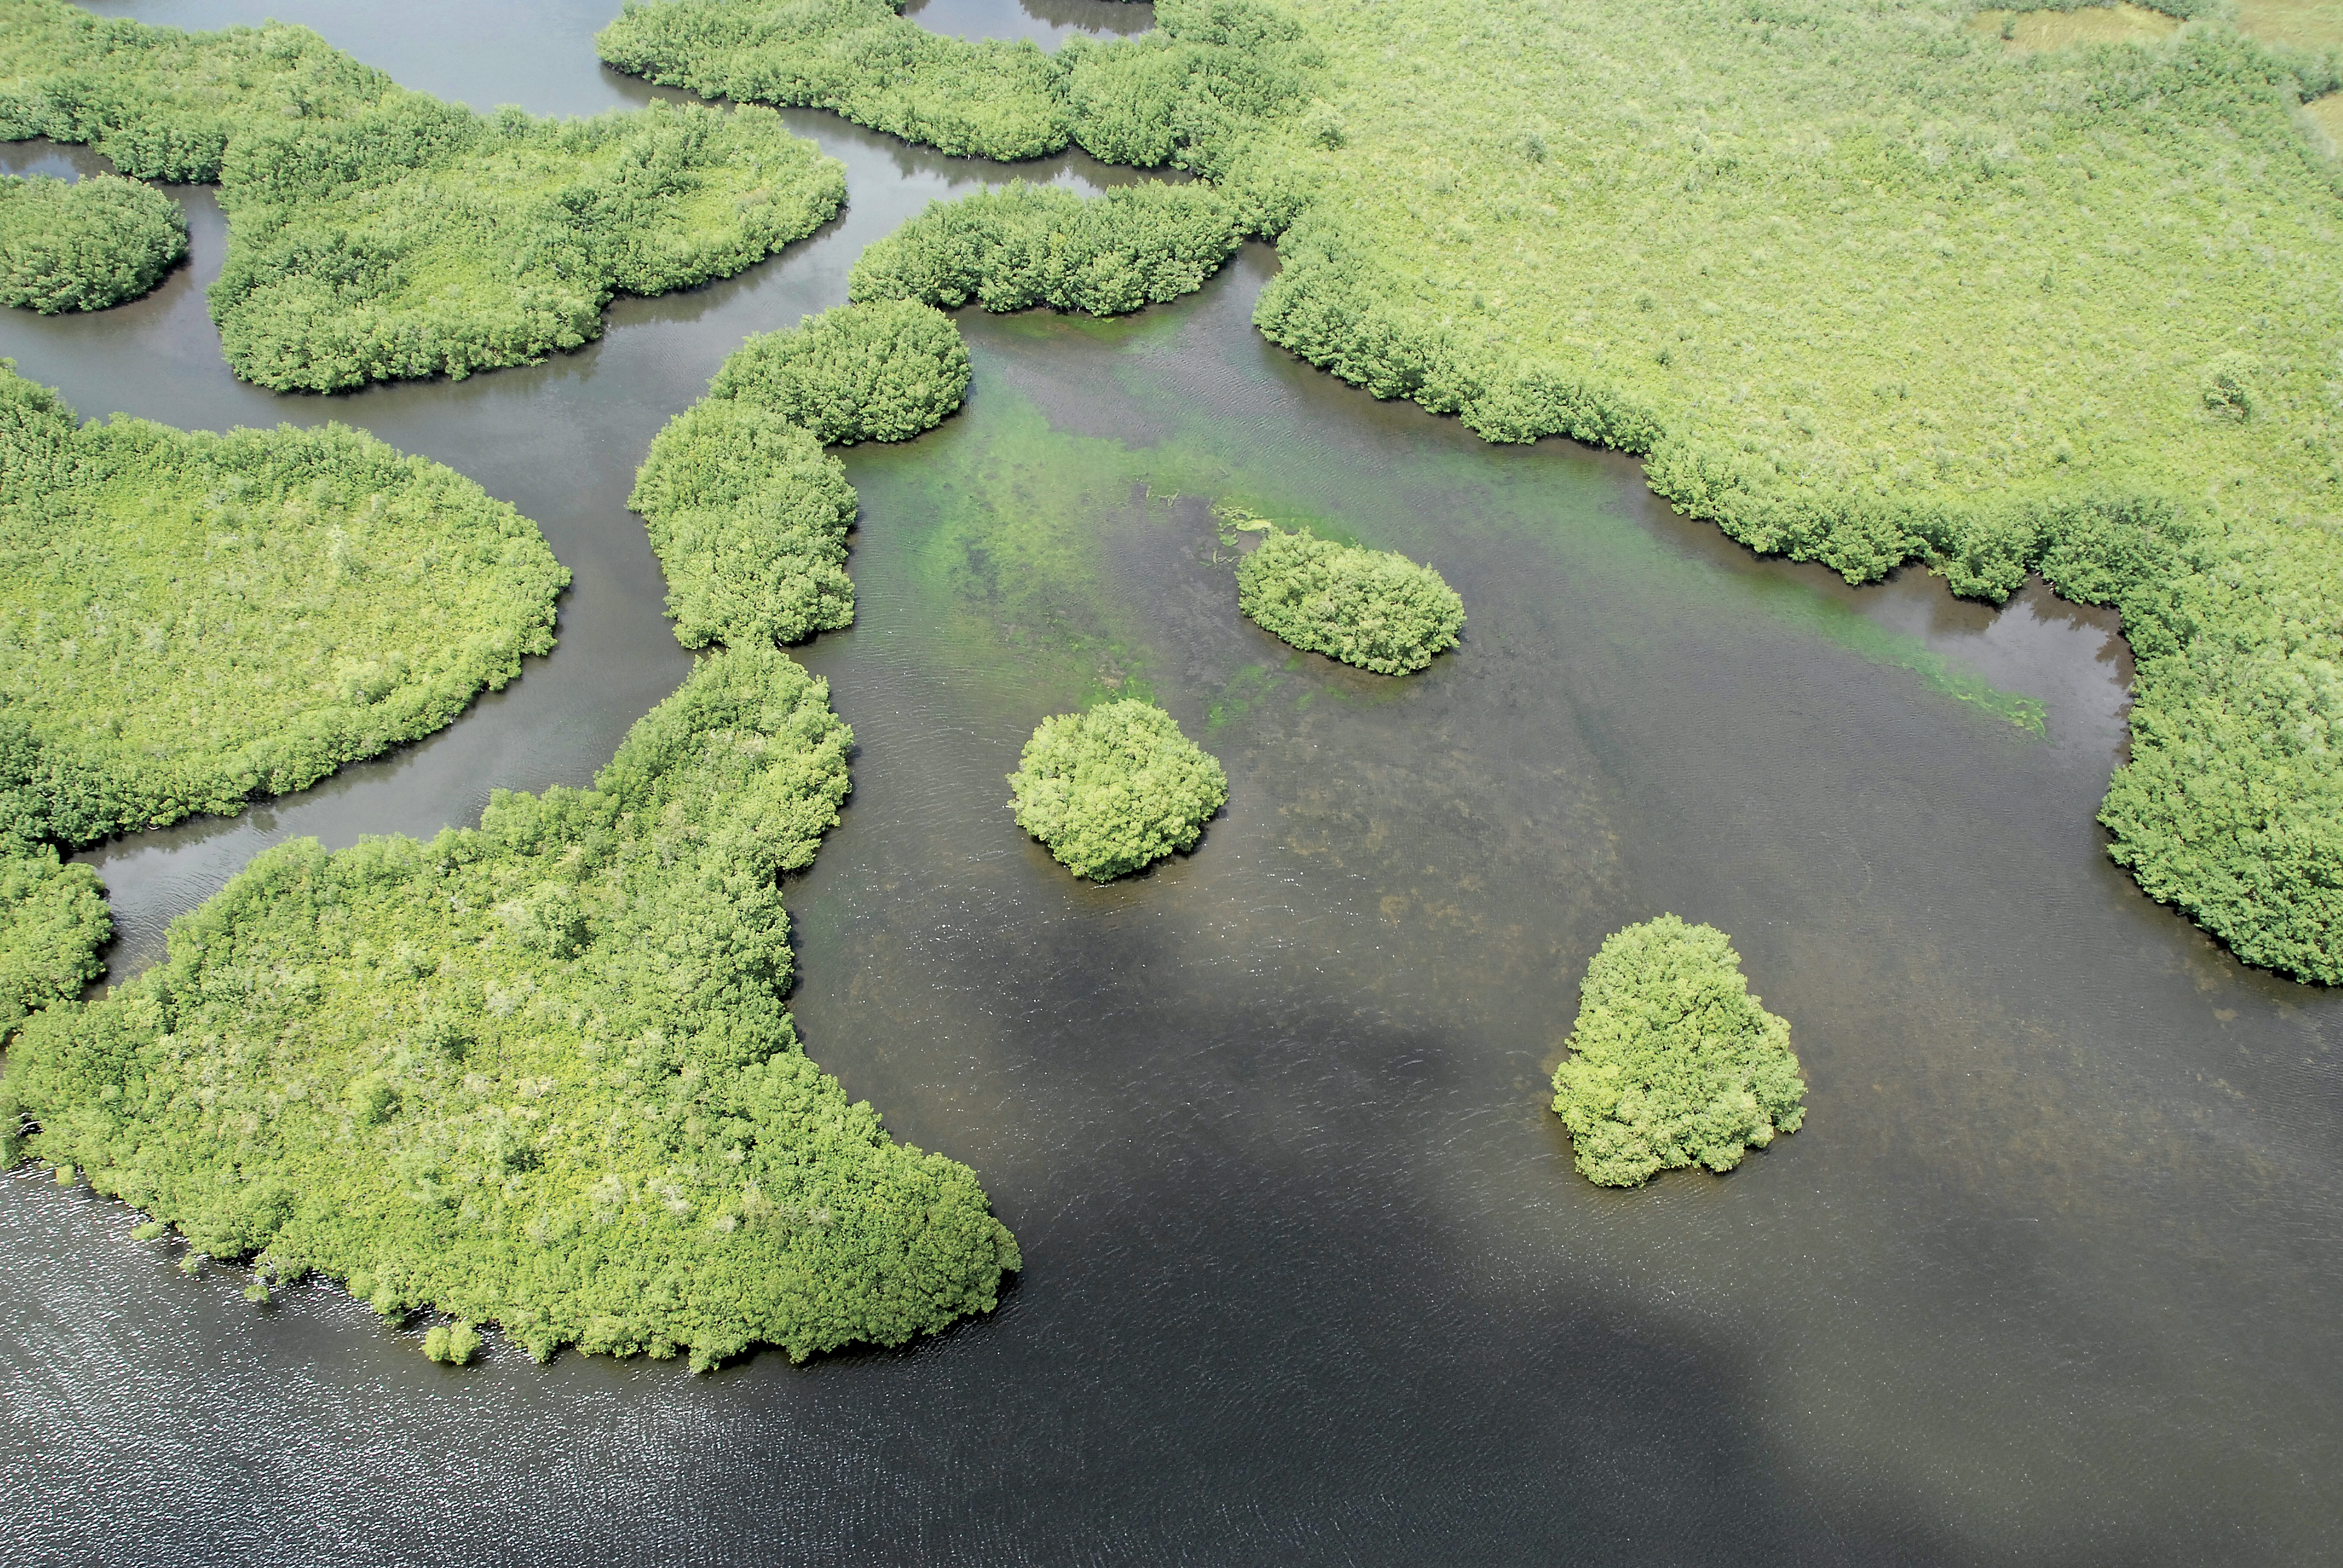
1113,790
189,619
1374,608
539,1073
1673,1062
747,512
376,233
84,245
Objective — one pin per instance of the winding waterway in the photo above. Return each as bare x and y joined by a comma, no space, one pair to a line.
2046,1277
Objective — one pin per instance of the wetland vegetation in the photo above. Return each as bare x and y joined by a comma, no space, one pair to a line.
537,1073
1672,1062
747,514
1115,789
1374,608
84,245
377,233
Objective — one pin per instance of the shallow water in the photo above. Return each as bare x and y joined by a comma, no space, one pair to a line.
1308,1277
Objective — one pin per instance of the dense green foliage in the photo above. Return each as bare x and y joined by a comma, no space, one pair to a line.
538,1073
52,922
1115,789
746,513
84,245
1374,608
189,619
884,371
1673,1061
1185,93
1020,246
376,233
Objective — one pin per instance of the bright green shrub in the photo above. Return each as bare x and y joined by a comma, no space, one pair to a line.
882,371
187,621
746,513
1115,789
1673,1062
86,244
1020,246
376,233
537,1073
1374,608
1185,93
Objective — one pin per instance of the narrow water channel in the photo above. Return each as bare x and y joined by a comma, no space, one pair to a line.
1309,1277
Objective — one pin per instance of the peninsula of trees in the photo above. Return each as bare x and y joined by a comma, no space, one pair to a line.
1113,790
84,245
537,1073
1374,608
1673,1062
376,233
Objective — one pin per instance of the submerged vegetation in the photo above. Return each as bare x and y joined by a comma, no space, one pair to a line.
746,513
1374,608
1673,1062
84,245
1113,790
537,1073
376,233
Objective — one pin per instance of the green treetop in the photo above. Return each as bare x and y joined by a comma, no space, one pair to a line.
1115,789
1673,1062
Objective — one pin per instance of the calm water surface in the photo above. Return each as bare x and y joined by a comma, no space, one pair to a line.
2045,1278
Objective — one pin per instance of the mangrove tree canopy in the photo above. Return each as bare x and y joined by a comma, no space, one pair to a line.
1374,608
376,233
1115,789
1673,1062
84,245
746,513
537,1073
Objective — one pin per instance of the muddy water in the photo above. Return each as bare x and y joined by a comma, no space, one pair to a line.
1309,1277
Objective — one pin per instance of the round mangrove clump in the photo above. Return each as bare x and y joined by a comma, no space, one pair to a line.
1115,789
1374,608
1673,1061
84,245
883,371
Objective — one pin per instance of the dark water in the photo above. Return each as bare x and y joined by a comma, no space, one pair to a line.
2045,1279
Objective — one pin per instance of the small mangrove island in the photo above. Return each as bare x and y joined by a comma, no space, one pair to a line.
1113,790
1374,608
747,512
84,245
1672,1062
